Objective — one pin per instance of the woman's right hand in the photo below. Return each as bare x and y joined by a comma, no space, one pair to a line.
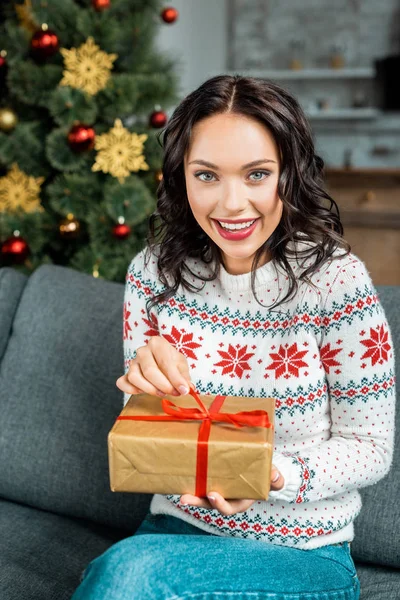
158,369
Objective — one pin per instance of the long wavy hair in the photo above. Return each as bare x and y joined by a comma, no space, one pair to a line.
172,226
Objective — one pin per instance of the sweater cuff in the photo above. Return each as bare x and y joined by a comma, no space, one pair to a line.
292,473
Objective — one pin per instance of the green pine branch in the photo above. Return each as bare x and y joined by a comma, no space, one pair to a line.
141,78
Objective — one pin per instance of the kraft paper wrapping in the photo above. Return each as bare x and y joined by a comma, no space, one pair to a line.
160,456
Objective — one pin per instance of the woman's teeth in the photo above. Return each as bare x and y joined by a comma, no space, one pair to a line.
232,227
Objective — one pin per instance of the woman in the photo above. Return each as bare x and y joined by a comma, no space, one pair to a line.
248,288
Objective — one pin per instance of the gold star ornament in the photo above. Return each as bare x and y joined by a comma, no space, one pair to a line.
87,68
120,152
19,191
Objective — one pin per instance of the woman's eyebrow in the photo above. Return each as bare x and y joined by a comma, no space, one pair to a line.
250,164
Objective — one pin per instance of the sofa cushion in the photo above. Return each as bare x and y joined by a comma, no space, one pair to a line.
12,283
378,583
58,398
43,555
376,538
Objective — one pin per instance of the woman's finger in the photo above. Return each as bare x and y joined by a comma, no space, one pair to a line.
228,507
155,373
137,378
186,499
125,386
175,369
279,482
167,360
183,367
225,507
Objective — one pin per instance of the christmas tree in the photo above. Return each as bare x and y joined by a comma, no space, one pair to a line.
83,102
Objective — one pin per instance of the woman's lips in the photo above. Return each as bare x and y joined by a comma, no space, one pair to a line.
239,234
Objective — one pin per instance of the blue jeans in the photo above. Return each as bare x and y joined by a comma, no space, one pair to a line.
169,559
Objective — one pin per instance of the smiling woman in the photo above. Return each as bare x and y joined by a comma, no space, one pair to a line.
244,289
257,145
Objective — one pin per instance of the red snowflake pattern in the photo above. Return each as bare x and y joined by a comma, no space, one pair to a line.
183,342
327,357
378,345
287,361
127,327
153,327
235,360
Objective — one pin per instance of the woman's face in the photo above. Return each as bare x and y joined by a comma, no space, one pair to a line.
228,190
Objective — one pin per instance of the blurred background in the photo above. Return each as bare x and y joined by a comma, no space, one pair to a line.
86,87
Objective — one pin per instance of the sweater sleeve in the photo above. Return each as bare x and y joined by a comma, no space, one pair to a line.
137,328
357,354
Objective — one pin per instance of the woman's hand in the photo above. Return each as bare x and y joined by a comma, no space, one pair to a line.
158,369
230,507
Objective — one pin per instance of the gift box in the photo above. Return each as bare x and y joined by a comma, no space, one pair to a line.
193,444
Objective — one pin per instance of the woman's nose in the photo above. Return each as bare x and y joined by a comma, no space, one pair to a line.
234,199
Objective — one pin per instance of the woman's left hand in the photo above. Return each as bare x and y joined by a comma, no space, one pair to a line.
230,507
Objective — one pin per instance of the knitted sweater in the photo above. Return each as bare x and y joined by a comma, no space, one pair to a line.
327,358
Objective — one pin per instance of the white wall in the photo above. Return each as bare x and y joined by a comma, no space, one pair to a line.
198,40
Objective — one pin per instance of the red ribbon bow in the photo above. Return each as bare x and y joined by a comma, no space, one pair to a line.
252,418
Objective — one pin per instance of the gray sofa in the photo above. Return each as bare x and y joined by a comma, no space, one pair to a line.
60,355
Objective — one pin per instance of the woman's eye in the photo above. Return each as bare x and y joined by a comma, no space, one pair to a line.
203,173
266,173
207,173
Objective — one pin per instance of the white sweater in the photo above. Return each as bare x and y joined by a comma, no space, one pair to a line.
327,358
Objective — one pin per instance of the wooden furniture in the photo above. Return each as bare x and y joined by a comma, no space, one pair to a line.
369,205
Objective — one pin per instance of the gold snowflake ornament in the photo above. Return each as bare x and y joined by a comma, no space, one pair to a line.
87,68
120,152
24,14
19,191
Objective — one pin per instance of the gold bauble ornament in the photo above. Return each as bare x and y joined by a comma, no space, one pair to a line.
70,227
158,176
96,268
8,120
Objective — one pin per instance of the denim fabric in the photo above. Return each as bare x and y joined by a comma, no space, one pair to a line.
168,559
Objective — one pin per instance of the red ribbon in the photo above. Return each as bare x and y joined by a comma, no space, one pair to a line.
252,418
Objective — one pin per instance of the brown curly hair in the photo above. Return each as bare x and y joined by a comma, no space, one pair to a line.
172,226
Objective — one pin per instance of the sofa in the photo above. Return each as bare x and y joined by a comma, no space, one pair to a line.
61,353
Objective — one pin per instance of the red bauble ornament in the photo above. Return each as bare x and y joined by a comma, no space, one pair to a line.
101,4
121,231
3,69
44,43
169,14
158,118
14,250
81,137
